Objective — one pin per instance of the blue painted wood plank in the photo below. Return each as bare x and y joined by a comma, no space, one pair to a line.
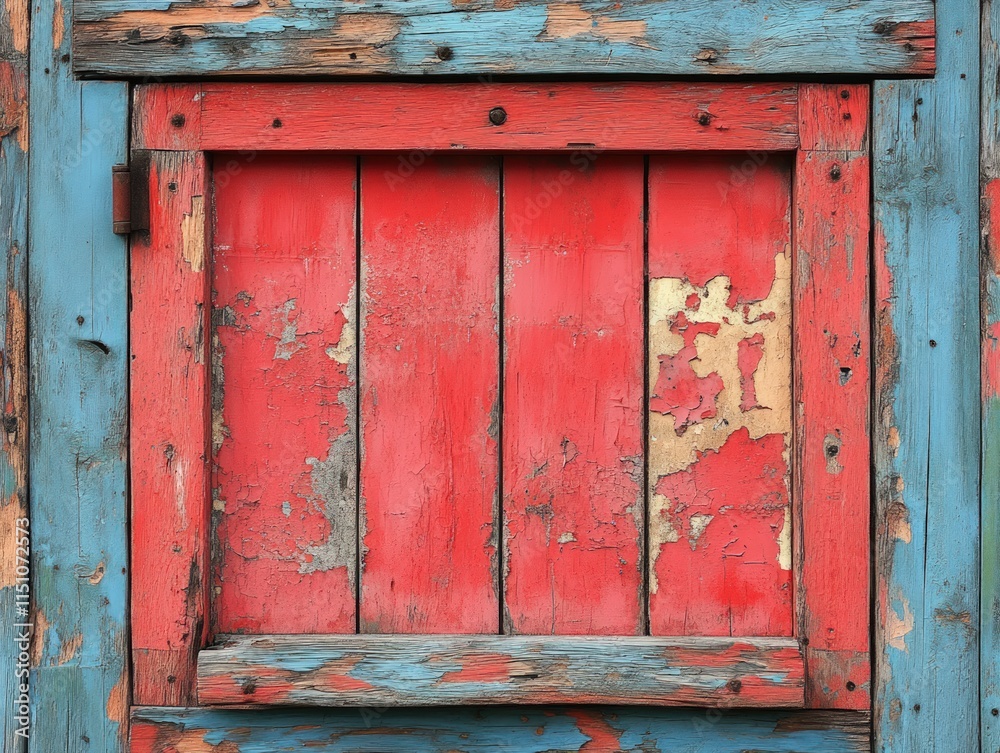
497,729
13,373
78,294
927,428
990,191
137,38
426,670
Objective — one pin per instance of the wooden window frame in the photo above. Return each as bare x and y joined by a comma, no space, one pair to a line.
824,665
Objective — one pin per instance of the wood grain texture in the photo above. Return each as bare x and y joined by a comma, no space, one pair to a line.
419,670
720,395
129,38
404,117
832,388
990,296
284,393
430,358
15,527
170,432
927,409
498,730
78,346
573,500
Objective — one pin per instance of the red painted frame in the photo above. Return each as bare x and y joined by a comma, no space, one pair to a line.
825,125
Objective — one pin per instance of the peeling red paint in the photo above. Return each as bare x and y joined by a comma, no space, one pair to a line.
683,394
734,587
285,460
593,724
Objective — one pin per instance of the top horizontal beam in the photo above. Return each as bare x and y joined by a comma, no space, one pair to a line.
174,38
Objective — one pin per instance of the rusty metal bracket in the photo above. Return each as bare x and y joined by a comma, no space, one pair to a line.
130,194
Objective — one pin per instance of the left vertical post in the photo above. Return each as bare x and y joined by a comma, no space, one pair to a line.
14,374
78,398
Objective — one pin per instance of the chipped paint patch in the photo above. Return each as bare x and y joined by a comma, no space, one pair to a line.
898,624
69,648
58,25
193,235
569,20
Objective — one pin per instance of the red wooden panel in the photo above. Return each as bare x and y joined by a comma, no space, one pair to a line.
832,381
406,116
720,395
284,402
170,433
430,252
573,385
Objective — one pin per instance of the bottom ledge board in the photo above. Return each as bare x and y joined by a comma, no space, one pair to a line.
498,729
453,670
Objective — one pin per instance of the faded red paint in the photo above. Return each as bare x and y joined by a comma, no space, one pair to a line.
727,509
593,724
483,668
572,425
832,367
430,255
284,487
169,434
724,214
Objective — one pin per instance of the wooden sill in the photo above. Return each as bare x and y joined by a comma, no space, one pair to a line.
440,670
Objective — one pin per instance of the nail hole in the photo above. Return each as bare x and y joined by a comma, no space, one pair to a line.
844,94
444,53
177,121
851,686
80,320
916,707
995,712
704,119
276,123
835,172
353,56
735,686
933,343
171,186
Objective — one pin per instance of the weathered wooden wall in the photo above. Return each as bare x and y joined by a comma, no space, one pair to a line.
927,406
77,306
927,411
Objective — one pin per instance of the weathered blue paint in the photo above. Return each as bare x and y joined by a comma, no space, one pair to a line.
135,38
927,398
78,344
13,365
506,728
427,670
990,187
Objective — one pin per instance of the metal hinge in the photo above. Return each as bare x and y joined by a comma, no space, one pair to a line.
130,194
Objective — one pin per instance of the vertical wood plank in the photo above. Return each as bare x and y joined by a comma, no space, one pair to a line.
832,393
573,385
284,397
170,432
78,314
430,255
927,428
720,395
14,525
990,293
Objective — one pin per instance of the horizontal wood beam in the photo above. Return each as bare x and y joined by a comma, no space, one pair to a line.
404,117
482,730
143,38
423,670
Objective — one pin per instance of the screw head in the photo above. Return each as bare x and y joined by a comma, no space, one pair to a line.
498,116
